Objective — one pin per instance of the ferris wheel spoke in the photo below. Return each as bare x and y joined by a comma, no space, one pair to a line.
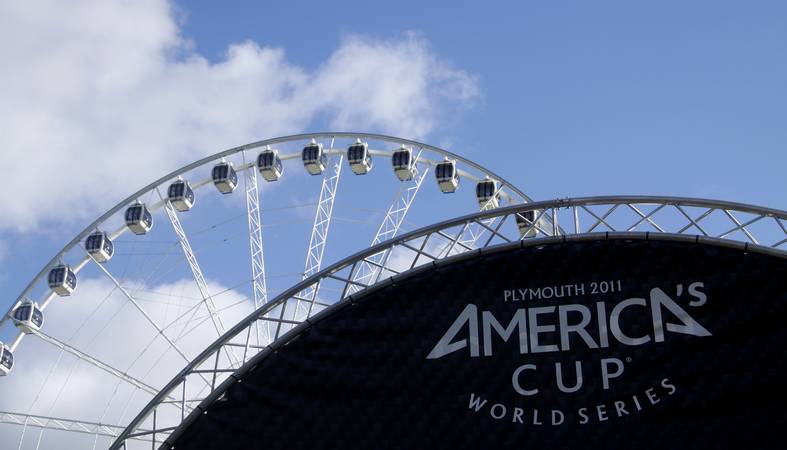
411,163
369,270
319,234
200,320
142,311
178,321
199,278
196,270
61,424
95,362
259,286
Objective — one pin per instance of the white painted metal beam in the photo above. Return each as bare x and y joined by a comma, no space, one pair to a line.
370,269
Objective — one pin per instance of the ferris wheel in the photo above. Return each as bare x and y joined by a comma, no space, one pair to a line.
146,317
145,288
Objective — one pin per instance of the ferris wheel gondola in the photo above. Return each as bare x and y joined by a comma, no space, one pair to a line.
181,195
99,246
314,159
403,163
28,316
138,219
6,359
487,192
62,280
358,158
177,191
224,177
269,164
447,176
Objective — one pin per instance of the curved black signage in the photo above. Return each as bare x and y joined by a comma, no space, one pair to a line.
601,344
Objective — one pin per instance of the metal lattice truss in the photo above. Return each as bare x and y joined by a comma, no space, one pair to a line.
319,237
199,278
467,169
369,270
277,321
191,258
259,287
96,362
713,222
74,426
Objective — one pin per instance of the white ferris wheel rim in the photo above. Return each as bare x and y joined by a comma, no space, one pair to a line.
516,195
465,168
694,233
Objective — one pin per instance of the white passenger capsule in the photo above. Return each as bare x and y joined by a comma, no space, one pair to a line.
138,219
447,175
487,192
6,359
62,280
224,177
403,163
314,159
181,195
269,164
526,221
359,158
99,246
28,317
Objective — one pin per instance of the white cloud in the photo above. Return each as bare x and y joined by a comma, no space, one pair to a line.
101,97
101,322
98,98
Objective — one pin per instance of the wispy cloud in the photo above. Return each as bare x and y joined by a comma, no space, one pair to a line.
100,98
99,320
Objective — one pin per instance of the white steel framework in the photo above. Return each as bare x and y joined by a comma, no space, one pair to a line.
745,227
199,279
96,362
369,270
319,236
259,286
191,259
62,424
380,146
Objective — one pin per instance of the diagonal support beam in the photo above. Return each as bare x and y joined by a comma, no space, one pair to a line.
61,424
191,259
140,309
476,230
199,279
370,269
259,287
319,236
95,362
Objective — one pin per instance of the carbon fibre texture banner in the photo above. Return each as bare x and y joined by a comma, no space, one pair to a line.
599,344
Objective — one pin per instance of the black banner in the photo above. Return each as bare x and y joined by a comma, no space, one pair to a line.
602,344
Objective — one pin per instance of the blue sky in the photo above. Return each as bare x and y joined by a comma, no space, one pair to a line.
572,100
679,98
100,98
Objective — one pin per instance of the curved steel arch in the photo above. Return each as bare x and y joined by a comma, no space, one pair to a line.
380,146
518,195
740,236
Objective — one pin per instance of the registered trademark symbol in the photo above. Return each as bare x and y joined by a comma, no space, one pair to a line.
628,359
